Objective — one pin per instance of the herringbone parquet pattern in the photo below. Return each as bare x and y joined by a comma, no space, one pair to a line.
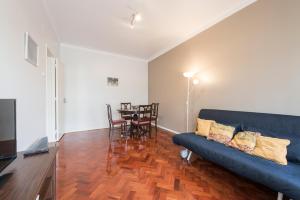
90,167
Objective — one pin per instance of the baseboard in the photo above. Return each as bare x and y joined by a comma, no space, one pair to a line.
167,129
159,126
78,131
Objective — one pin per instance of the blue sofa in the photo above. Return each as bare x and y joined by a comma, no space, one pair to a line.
280,178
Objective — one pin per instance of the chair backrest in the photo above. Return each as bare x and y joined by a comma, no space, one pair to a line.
155,110
145,112
109,115
126,106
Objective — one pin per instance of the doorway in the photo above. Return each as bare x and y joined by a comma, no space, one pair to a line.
54,98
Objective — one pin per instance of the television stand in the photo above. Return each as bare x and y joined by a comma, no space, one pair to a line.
30,178
5,177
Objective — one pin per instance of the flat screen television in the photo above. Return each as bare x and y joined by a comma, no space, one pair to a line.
8,144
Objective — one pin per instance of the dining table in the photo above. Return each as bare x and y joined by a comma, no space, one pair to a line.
134,112
130,111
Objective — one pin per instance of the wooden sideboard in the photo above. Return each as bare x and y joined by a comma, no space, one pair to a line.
30,178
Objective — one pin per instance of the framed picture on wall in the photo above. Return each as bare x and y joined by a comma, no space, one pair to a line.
111,81
31,50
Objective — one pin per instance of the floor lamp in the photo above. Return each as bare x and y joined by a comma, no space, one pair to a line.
190,76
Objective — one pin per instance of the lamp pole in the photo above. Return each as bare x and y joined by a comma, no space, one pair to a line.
189,75
187,104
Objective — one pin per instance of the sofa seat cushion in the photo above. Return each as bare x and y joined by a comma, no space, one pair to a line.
285,179
118,121
141,122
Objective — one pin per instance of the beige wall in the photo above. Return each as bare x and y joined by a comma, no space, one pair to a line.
252,60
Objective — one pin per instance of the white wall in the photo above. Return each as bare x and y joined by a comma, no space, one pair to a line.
19,79
86,90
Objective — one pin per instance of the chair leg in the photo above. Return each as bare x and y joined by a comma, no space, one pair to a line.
138,131
121,130
125,129
156,126
130,130
149,130
109,130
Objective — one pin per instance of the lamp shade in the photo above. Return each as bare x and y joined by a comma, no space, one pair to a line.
188,74
196,81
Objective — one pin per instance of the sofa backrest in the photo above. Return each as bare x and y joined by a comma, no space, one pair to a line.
282,124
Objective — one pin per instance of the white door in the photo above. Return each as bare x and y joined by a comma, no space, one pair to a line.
51,92
60,100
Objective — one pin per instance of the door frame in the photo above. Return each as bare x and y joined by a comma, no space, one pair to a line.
60,101
51,98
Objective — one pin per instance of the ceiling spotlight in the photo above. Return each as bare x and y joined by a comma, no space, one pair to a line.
135,18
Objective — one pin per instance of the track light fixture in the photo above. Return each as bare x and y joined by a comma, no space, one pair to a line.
136,17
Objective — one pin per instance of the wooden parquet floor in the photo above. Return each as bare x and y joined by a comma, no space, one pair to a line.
92,168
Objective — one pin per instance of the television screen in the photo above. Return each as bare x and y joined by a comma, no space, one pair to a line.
7,132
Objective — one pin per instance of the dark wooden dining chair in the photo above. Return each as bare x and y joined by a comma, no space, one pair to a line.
143,122
126,106
112,123
155,114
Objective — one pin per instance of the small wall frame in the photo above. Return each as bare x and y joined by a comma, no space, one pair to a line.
31,53
114,82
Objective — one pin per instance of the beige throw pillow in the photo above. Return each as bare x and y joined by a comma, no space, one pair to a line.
271,149
203,126
244,141
221,133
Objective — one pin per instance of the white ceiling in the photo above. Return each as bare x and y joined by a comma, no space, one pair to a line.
104,24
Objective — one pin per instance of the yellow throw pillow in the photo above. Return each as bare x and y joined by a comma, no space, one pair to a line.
271,149
203,126
244,141
221,133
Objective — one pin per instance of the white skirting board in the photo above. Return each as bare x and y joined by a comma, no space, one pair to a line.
167,129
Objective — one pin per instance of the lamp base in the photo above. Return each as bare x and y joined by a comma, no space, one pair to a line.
184,153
